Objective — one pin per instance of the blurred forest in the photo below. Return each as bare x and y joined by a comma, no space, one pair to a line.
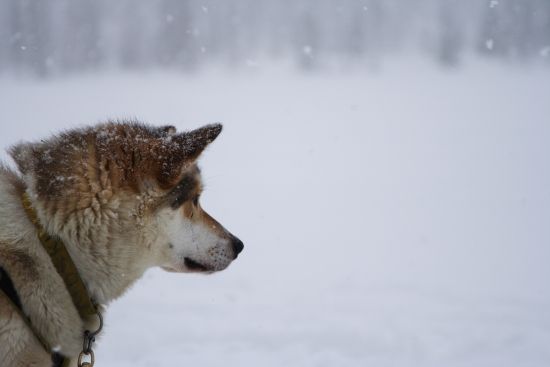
46,37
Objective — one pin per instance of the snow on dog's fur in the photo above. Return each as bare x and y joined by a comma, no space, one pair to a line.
123,197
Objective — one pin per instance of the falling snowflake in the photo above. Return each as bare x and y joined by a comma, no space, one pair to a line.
489,44
493,3
307,50
545,52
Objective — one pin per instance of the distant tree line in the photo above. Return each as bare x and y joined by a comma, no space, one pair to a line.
56,36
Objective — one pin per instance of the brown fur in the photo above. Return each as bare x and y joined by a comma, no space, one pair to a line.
17,259
95,164
127,154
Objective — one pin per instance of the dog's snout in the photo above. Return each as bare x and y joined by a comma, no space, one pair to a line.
238,246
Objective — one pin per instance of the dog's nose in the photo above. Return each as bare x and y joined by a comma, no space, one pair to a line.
238,246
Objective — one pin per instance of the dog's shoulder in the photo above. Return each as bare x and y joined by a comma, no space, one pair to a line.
42,293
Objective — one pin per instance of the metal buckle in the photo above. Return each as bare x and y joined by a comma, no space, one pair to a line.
89,340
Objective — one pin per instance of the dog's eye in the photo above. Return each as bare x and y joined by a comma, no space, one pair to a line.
196,201
178,202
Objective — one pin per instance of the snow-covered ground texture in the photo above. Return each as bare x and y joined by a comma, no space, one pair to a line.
393,219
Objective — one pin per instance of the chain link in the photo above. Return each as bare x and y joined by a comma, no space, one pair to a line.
89,340
86,364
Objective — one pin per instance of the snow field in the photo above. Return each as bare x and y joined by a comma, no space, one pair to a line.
391,219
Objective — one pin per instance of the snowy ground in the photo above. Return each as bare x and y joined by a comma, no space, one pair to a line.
391,219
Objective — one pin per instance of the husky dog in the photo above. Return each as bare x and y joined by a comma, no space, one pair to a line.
122,197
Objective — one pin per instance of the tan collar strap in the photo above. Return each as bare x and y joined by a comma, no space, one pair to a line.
63,264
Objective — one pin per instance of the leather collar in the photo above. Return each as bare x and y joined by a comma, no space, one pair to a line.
63,264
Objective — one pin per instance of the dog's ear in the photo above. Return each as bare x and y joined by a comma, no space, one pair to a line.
194,142
182,151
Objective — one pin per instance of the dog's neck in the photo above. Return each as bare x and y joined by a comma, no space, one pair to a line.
106,273
108,262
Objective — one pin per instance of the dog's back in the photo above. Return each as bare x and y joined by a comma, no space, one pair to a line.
18,345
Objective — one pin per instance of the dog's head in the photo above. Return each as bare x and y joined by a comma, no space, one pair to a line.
132,185
193,241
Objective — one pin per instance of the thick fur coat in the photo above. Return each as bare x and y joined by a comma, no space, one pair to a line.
123,197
